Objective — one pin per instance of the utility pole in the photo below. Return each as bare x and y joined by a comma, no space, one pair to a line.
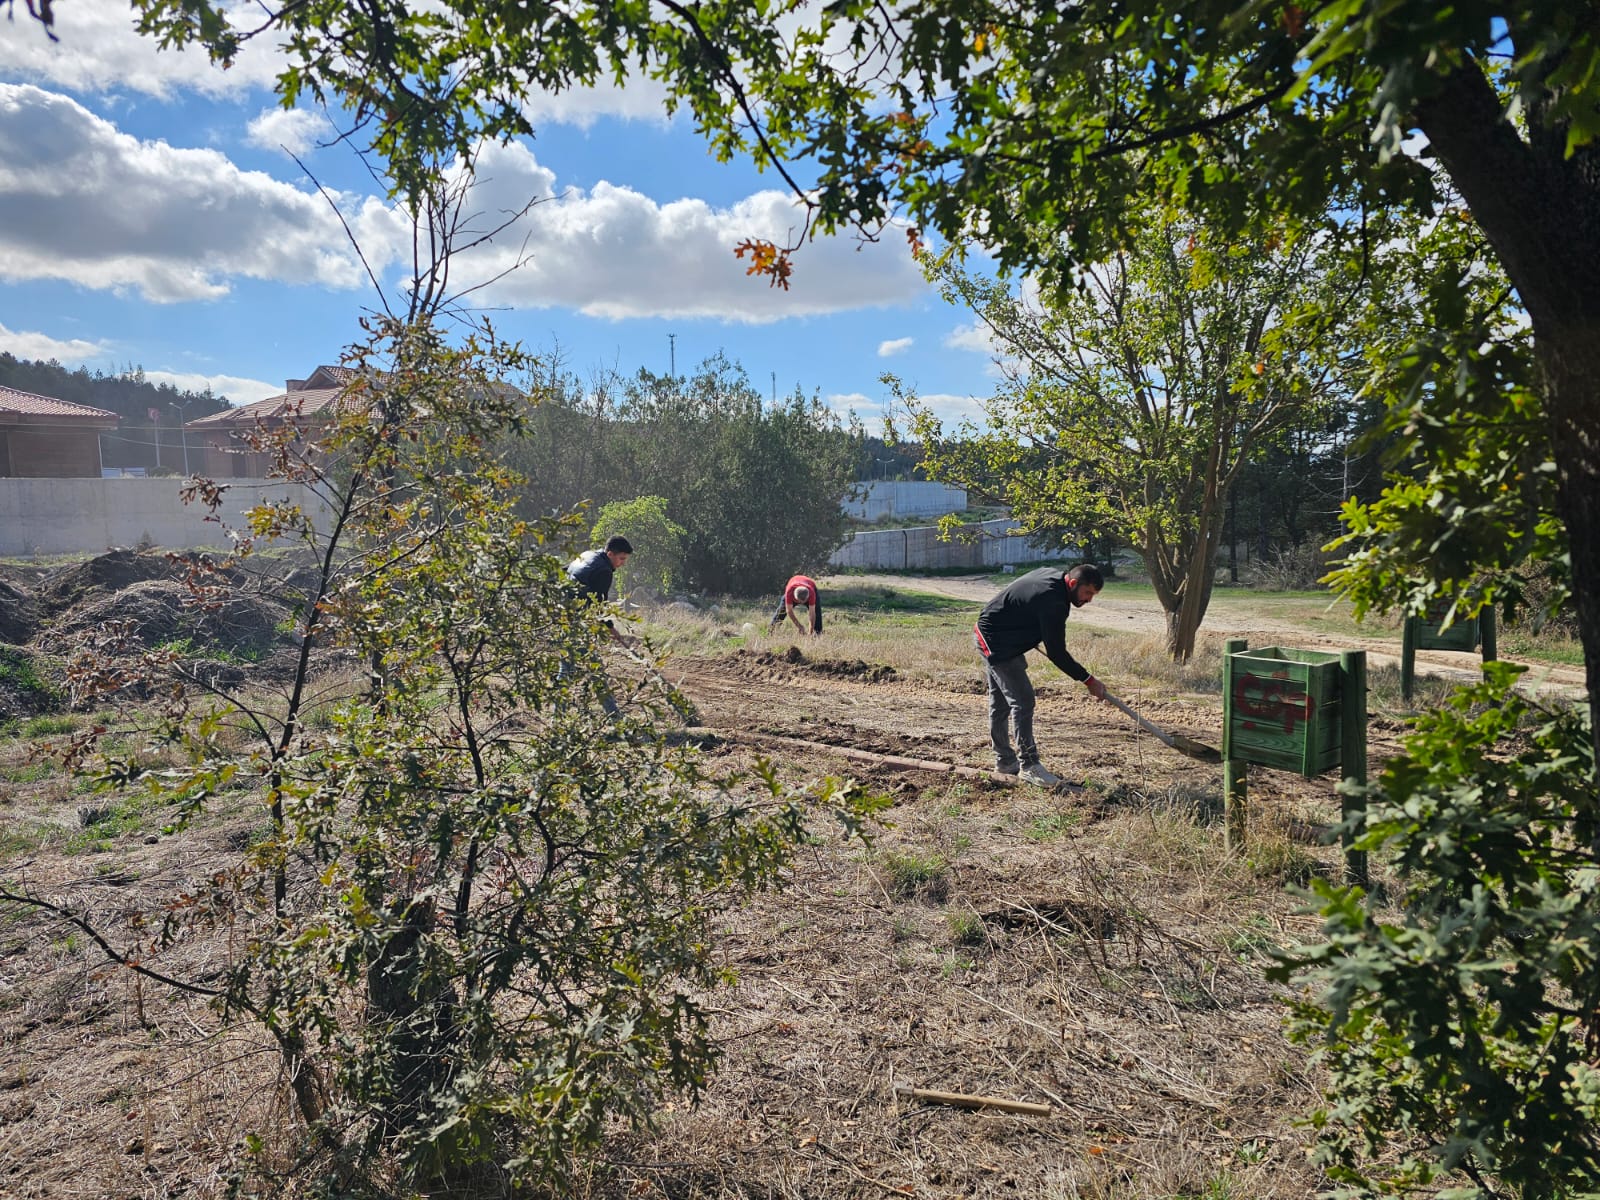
774,389
672,355
182,407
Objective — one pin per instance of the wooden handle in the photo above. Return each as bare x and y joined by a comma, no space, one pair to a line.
1148,726
963,1100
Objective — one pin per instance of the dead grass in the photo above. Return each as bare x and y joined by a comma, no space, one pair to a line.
1098,951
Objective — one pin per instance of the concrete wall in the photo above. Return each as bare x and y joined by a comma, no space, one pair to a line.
884,500
69,516
920,548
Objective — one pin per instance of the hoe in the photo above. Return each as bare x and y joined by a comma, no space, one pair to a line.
1183,745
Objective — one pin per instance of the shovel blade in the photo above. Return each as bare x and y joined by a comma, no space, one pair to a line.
1194,749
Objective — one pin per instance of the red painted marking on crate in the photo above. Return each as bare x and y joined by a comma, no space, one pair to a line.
1272,700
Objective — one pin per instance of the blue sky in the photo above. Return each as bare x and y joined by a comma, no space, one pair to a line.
149,215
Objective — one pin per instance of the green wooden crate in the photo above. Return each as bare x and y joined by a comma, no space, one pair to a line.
1463,635
1283,709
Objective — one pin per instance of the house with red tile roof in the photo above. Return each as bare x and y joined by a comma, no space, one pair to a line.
42,437
219,443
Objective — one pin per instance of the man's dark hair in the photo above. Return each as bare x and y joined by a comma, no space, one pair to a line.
618,545
1087,573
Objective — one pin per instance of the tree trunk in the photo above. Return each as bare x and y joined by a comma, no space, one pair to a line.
1233,537
415,1013
1540,209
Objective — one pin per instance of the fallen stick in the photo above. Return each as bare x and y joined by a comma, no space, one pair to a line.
963,1100
893,762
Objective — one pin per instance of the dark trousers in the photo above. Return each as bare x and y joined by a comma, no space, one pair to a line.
1011,701
607,702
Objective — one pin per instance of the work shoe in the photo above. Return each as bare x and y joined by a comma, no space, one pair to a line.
1040,774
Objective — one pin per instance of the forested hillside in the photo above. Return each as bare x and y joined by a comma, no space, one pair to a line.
153,444
128,393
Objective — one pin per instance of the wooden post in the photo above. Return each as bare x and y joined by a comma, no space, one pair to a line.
1235,771
1353,750
1486,637
1408,656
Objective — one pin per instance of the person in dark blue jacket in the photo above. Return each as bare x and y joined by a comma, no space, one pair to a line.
1030,612
593,570
591,573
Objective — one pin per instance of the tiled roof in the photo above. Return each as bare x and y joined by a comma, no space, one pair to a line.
339,375
273,407
28,404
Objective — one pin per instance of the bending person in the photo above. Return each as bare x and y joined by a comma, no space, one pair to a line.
1031,611
800,592
591,574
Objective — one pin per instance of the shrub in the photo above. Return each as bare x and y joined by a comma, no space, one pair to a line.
477,924
1459,1038
657,540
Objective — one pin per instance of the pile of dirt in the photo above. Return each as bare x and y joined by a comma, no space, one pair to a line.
162,612
19,614
101,575
25,690
766,665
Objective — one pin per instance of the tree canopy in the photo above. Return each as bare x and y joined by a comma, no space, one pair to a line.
1132,402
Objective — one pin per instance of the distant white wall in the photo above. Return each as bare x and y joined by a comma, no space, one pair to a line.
884,500
920,547
69,516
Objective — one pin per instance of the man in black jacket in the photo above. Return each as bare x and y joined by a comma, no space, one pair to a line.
592,573
1032,610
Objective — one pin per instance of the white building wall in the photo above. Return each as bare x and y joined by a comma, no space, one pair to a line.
71,516
884,500
920,548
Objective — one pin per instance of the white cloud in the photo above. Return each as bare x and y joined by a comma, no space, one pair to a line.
100,51
74,352
614,252
639,99
894,346
844,402
236,388
952,408
974,337
291,130
83,202
44,347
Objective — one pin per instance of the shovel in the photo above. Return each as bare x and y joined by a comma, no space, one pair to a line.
679,703
1183,745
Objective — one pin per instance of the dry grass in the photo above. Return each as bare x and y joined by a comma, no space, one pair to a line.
1097,951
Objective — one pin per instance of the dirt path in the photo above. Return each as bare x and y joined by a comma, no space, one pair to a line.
1082,739
1140,615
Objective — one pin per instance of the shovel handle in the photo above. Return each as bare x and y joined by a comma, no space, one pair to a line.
1148,726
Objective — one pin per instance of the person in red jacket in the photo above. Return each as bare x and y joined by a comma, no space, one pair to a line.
1031,611
800,592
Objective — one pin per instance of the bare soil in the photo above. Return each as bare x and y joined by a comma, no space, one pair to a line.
1094,950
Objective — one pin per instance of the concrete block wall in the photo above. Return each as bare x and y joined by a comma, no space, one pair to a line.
884,500
920,548
73,516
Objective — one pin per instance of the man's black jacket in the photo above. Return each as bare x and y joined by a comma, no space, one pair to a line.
1031,610
592,573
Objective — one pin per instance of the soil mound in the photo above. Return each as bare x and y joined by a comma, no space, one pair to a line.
24,687
792,660
19,614
109,572
162,612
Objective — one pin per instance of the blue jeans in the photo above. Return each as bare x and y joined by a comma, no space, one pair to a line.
1011,700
